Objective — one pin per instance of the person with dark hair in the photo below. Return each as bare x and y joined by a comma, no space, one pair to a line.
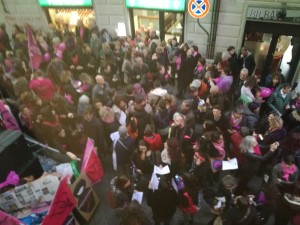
242,213
4,40
143,160
189,197
82,31
246,60
279,101
122,191
93,128
163,201
285,174
133,214
152,139
247,95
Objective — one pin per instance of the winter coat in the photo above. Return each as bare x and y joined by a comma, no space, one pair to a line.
277,103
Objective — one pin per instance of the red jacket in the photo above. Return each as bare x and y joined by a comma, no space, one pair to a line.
154,143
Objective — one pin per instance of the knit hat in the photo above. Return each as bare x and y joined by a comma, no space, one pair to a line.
253,106
122,131
196,83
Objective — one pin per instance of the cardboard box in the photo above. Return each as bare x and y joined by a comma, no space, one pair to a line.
87,199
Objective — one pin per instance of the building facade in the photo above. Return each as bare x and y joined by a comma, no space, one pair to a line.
226,24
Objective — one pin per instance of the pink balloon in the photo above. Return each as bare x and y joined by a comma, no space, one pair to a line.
59,54
62,46
265,92
47,57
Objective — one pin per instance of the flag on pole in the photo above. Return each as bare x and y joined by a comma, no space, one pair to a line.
62,205
35,55
91,163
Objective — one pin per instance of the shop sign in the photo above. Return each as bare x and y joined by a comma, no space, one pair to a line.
168,5
274,14
49,3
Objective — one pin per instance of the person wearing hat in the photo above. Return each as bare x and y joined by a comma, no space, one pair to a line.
4,40
122,149
236,119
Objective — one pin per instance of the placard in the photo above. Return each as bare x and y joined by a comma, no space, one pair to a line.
87,199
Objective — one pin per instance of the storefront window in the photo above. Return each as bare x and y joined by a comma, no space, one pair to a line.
173,25
146,20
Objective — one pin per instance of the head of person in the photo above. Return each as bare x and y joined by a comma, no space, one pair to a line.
209,125
174,41
250,82
202,61
244,52
275,122
100,80
225,56
217,137
59,131
288,160
186,106
88,113
142,146
217,112
123,182
248,143
229,182
244,74
242,202
276,78
286,88
179,120
238,112
119,101
123,131
231,50
254,107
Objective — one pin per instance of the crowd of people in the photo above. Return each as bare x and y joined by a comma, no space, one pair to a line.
168,107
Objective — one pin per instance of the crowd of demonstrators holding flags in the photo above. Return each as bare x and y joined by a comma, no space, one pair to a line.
184,131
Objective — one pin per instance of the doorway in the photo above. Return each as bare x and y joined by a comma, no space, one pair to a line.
270,42
166,24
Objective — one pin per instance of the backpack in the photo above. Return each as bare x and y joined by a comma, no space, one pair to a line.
132,128
162,122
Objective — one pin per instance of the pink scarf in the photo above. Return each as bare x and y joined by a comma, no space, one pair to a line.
220,148
287,171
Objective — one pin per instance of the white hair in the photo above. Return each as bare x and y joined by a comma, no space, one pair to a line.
225,55
247,144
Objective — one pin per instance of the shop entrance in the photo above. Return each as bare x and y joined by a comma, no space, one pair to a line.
272,46
61,17
166,24
270,43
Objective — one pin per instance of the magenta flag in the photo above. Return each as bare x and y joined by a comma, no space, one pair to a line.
35,55
6,219
87,152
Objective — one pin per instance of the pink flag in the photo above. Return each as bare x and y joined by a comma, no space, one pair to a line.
6,219
35,55
88,149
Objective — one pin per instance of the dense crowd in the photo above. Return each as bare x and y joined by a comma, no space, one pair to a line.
167,106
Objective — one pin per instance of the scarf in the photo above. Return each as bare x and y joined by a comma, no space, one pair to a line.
287,170
234,123
220,148
256,150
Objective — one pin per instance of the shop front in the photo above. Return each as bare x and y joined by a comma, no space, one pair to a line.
166,17
269,33
67,12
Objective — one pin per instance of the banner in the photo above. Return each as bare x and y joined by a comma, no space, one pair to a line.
35,55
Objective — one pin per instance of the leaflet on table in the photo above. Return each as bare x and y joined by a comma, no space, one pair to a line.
30,194
9,201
